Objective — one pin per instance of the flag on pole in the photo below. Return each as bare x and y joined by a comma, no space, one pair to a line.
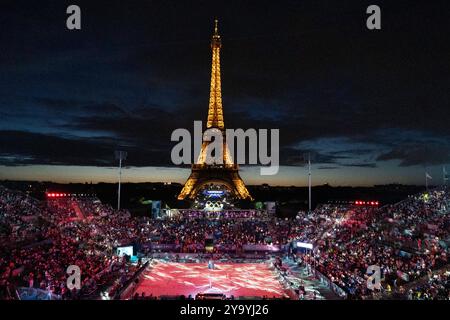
428,176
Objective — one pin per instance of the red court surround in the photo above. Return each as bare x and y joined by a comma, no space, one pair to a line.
237,279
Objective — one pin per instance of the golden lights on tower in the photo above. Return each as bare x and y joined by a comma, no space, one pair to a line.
227,172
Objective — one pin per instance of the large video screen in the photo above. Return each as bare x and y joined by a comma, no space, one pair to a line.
121,251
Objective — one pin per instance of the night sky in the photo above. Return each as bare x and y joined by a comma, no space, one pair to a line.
372,106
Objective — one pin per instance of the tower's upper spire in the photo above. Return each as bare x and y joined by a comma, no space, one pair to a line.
215,112
216,29
215,42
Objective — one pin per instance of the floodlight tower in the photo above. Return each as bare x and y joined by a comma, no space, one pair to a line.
121,156
307,160
309,182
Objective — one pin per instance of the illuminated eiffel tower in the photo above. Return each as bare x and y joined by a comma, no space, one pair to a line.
226,173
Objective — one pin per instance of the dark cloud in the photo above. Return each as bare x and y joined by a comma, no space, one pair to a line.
418,154
328,167
360,165
55,103
39,148
353,152
20,148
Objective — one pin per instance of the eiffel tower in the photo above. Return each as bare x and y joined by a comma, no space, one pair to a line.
226,173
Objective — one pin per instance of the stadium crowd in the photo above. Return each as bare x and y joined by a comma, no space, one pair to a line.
59,241
408,240
383,237
435,288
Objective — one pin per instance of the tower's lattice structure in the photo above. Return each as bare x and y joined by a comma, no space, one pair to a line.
226,172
